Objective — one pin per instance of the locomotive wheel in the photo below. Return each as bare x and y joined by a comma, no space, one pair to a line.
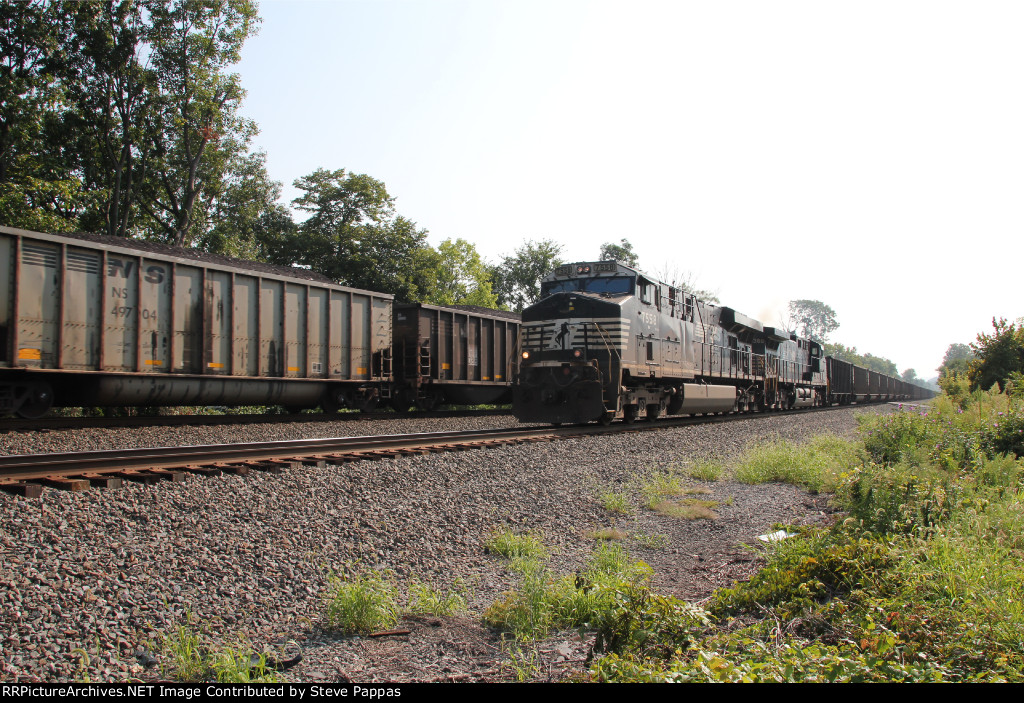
653,411
38,400
629,414
606,418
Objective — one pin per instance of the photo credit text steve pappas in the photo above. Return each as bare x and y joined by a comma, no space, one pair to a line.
213,691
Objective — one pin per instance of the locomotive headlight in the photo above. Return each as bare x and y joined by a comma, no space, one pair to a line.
526,355
577,353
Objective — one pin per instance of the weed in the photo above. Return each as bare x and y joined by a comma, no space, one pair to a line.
511,545
543,601
614,502
523,657
609,534
705,470
426,600
651,541
361,603
689,509
659,486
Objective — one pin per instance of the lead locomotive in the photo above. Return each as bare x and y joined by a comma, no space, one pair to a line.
605,341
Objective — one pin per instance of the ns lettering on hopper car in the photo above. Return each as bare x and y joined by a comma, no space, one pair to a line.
90,320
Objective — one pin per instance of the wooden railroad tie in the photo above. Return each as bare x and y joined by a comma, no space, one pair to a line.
22,488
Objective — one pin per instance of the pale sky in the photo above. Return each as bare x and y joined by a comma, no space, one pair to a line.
866,154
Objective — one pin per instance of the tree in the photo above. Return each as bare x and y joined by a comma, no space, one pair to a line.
622,252
956,359
340,206
195,130
454,274
999,355
812,319
111,97
37,189
867,361
910,376
671,274
516,280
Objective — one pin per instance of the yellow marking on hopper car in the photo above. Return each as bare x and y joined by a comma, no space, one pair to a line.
293,368
487,378
215,365
446,367
360,369
31,354
154,362
498,378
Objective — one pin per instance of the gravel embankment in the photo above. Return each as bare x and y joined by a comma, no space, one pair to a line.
112,571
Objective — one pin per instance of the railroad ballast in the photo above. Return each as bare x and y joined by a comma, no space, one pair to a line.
605,341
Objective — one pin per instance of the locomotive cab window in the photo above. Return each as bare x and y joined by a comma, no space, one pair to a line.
646,290
612,285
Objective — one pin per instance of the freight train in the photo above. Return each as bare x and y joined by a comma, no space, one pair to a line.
90,320
606,341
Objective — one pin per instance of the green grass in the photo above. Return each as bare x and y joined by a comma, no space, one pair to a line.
616,502
704,470
607,534
817,466
427,600
188,656
511,545
361,603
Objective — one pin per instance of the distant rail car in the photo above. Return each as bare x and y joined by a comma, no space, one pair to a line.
606,341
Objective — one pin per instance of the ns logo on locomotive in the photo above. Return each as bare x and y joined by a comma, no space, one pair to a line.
605,342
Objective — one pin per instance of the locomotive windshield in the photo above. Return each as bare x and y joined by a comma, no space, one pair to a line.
618,285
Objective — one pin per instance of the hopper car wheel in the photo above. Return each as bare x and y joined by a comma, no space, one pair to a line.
401,399
38,400
334,400
369,403
629,414
430,401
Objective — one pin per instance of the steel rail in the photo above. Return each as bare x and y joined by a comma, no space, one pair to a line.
26,467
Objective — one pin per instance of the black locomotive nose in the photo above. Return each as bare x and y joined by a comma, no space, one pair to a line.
549,396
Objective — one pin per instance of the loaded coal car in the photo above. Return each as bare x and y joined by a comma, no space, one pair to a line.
606,341
462,354
102,321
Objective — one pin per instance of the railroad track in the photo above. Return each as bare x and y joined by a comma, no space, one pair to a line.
64,423
27,474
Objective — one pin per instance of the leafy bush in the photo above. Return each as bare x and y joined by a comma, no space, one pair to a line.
900,498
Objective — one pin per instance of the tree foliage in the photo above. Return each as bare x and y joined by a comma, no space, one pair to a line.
455,274
867,361
122,117
812,319
352,234
956,359
517,277
998,355
621,252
